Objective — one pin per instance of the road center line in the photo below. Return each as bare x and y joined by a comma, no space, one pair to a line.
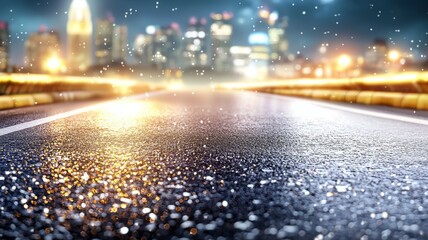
41,121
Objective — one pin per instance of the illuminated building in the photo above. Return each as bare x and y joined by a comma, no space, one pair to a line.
241,58
260,55
145,46
275,27
111,42
143,49
167,46
120,43
79,34
4,46
221,33
104,41
40,47
277,40
264,21
160,47
173,46
376,57
195,39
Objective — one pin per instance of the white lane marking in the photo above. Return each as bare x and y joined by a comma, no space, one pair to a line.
34,123
350,109
388,116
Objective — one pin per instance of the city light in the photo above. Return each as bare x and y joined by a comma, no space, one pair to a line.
240,50
344,61
323,49
151,29
264,14
319,72
259,38
54,64
273,18
394,55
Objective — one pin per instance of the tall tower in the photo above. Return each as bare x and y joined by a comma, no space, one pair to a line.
195,51
221,34
120,43
79,34
4,46
104,41
278,40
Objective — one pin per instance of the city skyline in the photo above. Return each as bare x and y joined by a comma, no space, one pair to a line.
310,23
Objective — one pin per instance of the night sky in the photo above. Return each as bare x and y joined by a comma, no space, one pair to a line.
346,25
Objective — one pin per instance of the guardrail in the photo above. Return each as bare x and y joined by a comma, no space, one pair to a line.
11,84
19,90
404,90
412,82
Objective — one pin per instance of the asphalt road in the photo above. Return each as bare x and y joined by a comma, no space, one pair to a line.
213,165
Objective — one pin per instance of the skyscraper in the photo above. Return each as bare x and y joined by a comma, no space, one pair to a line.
270,23
40,47
260,55
195,38
111,41
221,33
160,47
120,43
166,45
79,34
145,46
277,38
173,48
104,41
143,49
4,46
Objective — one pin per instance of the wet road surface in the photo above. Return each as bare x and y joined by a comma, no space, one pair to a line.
213,165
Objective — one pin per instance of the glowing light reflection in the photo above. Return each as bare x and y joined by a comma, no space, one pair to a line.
123,116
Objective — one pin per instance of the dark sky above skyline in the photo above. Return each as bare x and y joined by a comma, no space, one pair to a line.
346,25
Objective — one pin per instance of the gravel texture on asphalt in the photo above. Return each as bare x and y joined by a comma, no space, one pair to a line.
215,165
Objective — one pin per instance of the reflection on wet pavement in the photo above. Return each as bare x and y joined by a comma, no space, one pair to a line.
213,166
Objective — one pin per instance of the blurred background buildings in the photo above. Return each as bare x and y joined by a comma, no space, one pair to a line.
201,48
